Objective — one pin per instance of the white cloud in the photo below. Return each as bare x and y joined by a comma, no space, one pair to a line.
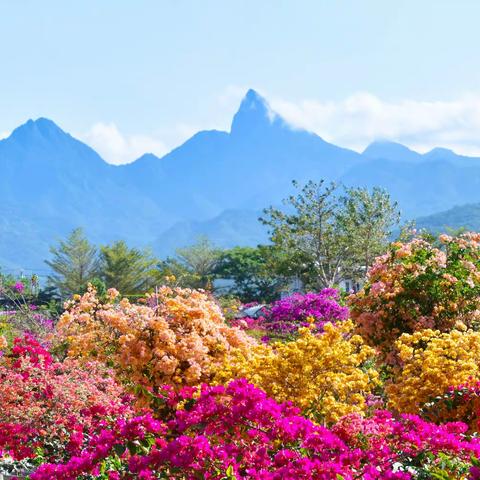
118,148
362,118
4,135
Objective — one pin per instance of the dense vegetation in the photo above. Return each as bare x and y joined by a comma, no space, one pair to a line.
183,376
378,384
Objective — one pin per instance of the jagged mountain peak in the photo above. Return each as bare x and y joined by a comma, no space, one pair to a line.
254,113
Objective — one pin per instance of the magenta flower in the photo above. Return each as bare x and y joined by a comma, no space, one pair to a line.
19,287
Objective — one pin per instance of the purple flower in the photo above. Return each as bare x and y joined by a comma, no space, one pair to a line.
290,313
19,287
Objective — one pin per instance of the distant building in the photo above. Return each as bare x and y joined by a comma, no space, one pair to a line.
349,285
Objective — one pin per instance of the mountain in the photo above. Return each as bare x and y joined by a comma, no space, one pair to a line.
459,217
215,183
249,167
230,228
391,151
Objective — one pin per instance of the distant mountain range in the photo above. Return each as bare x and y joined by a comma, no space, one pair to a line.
216,183
461,217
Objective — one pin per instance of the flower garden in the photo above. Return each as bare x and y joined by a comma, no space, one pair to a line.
380,384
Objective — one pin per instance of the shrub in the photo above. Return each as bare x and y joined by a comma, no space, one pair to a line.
432,362
177,337
47,405
237,432
459,403
298,310
417,286
326,375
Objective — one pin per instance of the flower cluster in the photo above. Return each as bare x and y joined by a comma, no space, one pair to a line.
21,313
417,286
298,310
326,375
47,406
237,432
430,363
177,337
283,318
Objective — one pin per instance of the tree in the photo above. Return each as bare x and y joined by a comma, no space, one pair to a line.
326,236
74,262
308,233
193,266
129,270
252,271
367,219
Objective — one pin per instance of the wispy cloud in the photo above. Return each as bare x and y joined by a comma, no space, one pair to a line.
362,118
118,148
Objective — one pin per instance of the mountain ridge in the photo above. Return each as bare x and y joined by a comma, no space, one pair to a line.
51,182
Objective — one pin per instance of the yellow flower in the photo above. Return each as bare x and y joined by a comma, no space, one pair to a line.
431,362
322,374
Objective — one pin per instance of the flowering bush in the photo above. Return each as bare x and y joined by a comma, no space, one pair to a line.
431,362
417,286
20,312
326,375
177,337
459,403
237,432
47,406
290,313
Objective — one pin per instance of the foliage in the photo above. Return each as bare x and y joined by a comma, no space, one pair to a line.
230,306
367,219
326,375
252,269
237,432
431,362
193,266
74,263
458,403
310,236
326,236
417,286
177,337
129,270
47,406
209,397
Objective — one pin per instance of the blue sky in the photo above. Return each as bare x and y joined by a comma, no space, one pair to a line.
129,76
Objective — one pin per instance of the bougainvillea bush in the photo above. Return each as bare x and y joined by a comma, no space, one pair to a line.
298,310
166,388
327,375
47,406
417,286
20,312
237,432
431,363
283,318
178,336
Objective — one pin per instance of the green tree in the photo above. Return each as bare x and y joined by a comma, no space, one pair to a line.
252,271
193,266
74,263
129,270
366,219
308,234
326,236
